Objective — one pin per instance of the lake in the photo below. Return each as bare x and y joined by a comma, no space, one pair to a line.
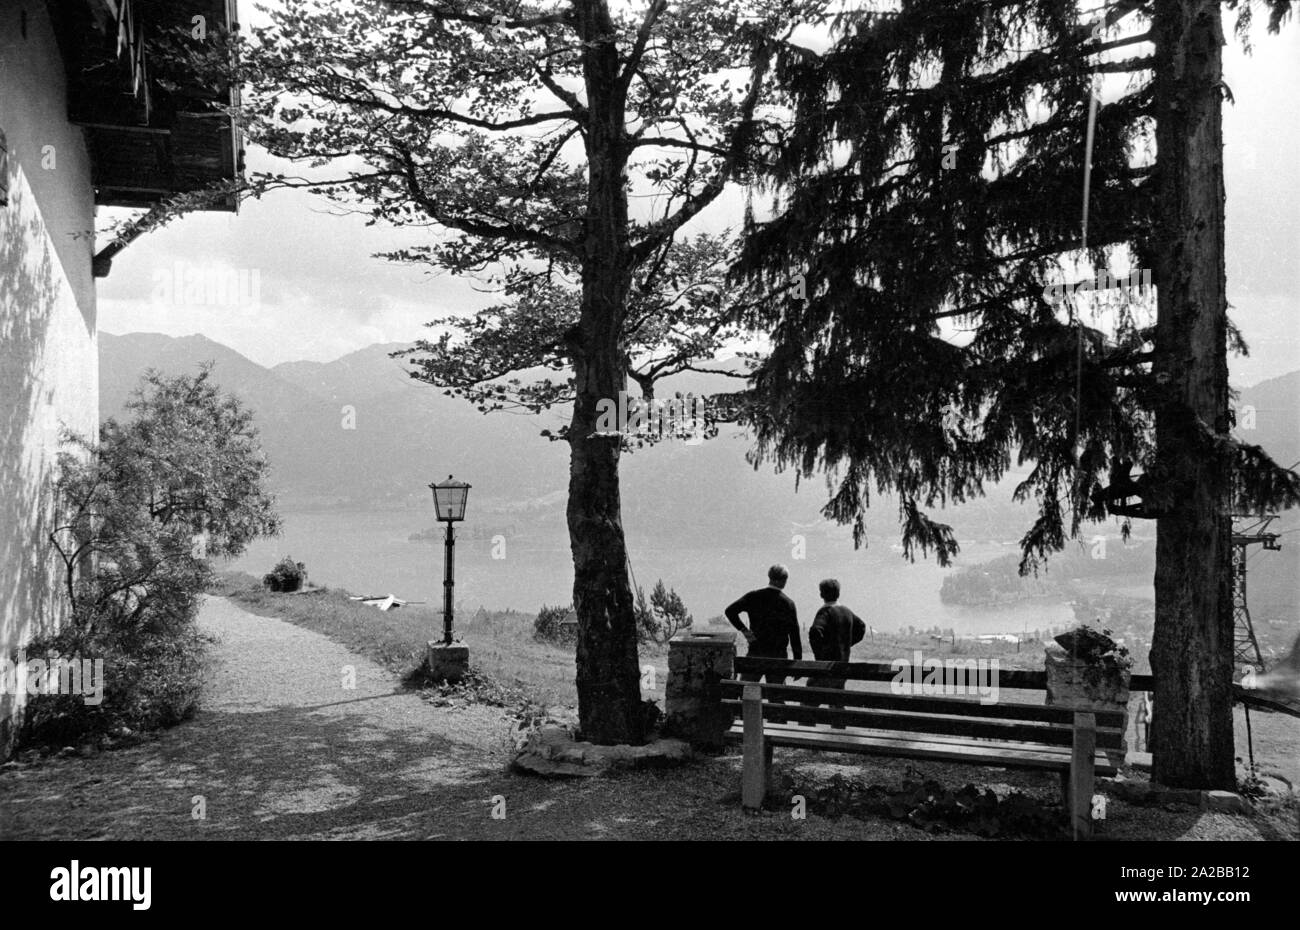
371,553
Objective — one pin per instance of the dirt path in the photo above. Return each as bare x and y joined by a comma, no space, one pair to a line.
283,749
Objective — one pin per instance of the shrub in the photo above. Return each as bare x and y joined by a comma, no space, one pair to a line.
153,500
549,627
152,678
287,575
663,618
646,625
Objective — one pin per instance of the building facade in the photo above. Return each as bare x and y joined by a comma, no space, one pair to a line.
83,124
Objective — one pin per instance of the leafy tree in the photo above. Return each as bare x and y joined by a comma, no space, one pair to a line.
141,513
678,317
522,133
928,191
145,509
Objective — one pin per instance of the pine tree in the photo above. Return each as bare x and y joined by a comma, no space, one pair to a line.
928,210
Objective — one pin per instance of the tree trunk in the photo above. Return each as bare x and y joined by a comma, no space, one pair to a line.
1191,654
608,673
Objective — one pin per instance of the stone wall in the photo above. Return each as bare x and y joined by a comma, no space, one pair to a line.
49,363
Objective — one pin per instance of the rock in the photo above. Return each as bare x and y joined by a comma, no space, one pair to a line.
1142,792
1188,796
1225,802
1134,792
552,752
531,764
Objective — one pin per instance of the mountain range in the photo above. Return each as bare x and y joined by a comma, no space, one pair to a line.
358,433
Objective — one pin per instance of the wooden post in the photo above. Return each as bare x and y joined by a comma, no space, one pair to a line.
757,752
1082,760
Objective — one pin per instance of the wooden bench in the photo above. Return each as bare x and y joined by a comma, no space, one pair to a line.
1078,745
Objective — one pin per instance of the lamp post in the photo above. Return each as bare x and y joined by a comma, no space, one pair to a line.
447,660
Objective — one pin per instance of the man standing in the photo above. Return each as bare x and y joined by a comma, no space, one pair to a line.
773,623
834,632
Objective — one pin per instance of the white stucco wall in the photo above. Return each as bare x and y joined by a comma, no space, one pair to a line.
49,362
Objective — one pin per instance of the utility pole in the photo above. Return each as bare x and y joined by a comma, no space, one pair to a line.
1246,651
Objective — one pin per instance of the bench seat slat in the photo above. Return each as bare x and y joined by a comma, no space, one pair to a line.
892,744
912,722
955,706
922,737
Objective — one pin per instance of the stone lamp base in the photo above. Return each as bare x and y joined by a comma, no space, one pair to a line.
447,662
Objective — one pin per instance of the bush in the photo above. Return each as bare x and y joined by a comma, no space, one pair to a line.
287,575
549,627
152,678
153,500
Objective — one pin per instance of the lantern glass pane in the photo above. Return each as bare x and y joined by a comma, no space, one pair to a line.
449,500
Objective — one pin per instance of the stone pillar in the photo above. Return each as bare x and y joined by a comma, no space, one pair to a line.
447,662
1084,672
697,663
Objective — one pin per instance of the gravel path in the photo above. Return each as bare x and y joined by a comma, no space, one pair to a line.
300,738
297,737
281,749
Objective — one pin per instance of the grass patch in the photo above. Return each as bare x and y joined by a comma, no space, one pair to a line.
501,644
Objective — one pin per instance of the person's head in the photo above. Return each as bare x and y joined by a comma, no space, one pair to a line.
829,589
777,575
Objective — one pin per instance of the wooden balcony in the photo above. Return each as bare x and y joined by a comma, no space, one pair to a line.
151,132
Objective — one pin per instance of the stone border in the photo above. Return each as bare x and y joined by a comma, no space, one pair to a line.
1145,792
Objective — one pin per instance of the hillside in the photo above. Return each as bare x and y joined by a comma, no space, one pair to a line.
357,433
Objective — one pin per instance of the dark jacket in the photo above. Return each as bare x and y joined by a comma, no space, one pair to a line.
834,631
773,621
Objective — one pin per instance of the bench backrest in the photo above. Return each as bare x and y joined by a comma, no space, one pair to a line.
914,713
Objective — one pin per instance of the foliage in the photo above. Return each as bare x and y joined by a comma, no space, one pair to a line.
1094,647
1251,783
287,575
152,679
935,808
523,137
646,625
182,482
924,201
663,617
550,626
477,687
679,317
140,514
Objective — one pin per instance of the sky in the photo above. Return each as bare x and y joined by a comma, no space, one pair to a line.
303,282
